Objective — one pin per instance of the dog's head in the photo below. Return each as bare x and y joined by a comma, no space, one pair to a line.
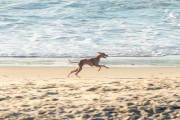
102,55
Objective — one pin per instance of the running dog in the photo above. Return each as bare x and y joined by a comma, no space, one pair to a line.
92,62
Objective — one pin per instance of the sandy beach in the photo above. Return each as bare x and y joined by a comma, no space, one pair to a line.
46,93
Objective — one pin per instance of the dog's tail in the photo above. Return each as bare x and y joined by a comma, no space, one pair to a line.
72,62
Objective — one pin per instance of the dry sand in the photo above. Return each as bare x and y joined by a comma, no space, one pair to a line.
40,93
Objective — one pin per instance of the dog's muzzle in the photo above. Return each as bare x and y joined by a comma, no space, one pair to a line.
105,56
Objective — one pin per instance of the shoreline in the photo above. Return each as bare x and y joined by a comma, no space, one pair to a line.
164,61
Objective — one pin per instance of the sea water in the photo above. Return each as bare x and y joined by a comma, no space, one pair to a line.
52,29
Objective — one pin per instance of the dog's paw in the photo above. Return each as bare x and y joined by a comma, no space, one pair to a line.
78,76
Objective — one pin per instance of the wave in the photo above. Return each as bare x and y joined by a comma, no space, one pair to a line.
79,28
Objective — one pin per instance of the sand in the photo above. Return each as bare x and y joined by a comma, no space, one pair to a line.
46,93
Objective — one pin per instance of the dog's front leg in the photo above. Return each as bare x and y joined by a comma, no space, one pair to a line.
101,66
104,66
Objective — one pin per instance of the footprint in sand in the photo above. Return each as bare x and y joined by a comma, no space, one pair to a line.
4,75
48,87
52,93
19,96
3,98
92,89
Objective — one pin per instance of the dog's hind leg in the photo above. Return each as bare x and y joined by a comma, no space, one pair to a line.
73,71
79,69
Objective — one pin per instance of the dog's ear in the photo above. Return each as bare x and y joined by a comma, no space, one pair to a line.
99,52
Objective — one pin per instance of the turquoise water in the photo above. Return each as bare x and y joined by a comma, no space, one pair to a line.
81,28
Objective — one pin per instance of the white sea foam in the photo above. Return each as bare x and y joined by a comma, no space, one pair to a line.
82,28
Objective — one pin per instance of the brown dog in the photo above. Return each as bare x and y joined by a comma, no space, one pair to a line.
92,62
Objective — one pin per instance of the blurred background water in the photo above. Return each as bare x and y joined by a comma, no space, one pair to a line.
81,28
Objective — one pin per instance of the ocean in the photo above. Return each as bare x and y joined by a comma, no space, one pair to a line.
55,30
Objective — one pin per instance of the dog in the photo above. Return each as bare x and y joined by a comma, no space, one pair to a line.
91,62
